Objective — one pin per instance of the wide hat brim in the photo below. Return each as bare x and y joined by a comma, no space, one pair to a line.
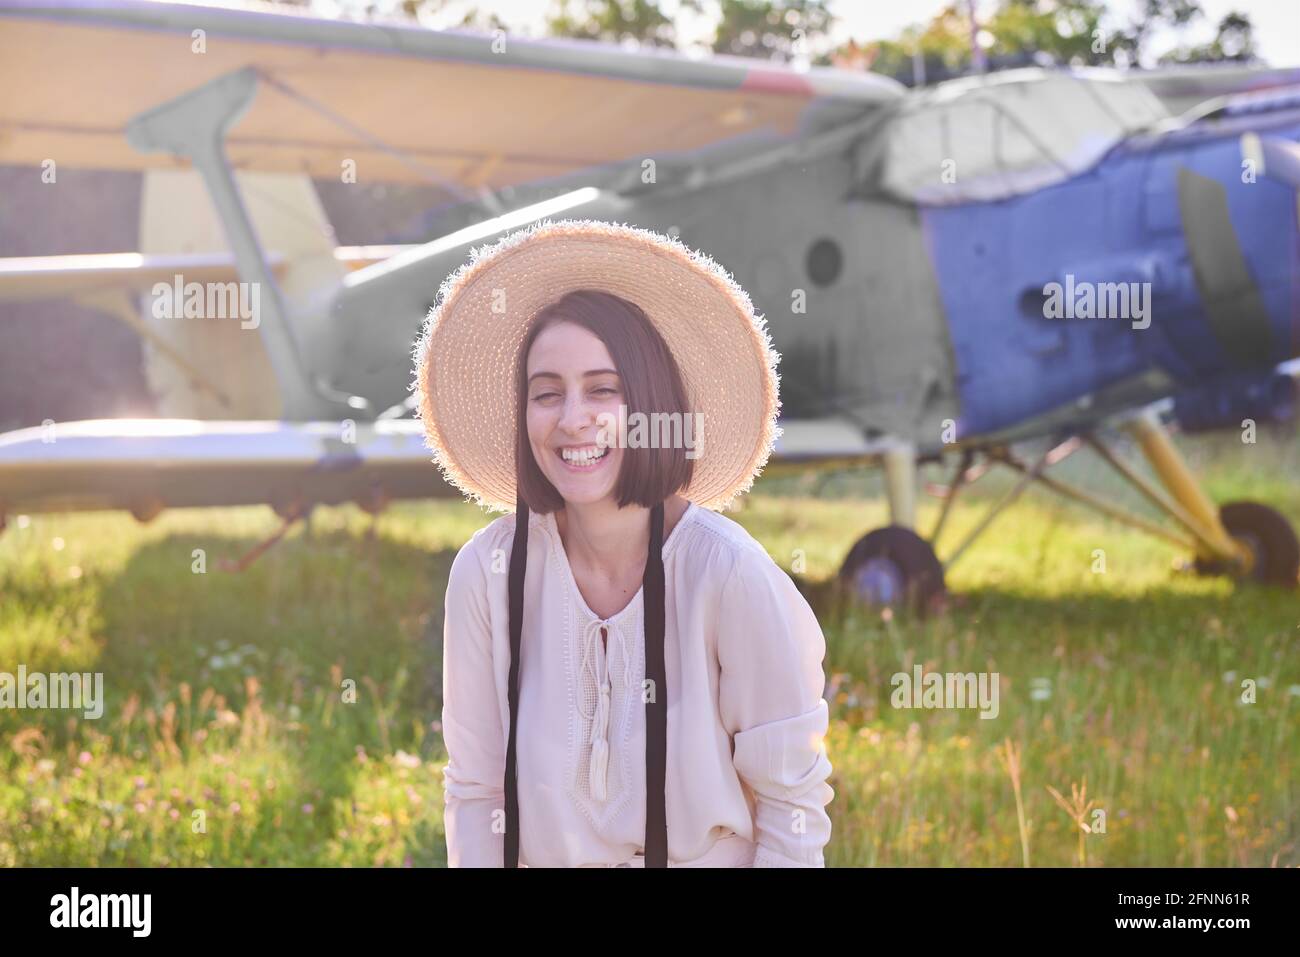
465,357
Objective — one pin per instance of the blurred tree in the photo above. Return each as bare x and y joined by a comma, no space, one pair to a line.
1017,32
1060,32
1234,40
472,19
931,53
1050,32
1129,43
614,21
782,30
773,29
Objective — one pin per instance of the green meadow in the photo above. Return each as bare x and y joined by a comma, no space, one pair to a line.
288,714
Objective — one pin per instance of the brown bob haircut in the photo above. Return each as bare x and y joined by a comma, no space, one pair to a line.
651,383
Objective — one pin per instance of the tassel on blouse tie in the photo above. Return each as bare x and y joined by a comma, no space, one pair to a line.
597,665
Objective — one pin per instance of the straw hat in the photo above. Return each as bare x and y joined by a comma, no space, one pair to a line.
465,357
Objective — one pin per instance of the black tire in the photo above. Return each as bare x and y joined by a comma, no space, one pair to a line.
1269,536
894,566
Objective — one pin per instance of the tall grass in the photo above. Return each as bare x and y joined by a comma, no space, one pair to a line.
289,714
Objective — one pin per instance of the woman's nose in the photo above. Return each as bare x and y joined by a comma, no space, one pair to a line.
576,415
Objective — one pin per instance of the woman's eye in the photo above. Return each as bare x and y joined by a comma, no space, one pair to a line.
548,396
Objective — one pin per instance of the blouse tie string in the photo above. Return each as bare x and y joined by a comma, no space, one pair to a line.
596,664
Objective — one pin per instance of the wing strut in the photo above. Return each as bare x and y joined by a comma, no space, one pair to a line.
194,125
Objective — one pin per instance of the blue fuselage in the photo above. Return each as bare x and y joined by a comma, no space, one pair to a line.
1182,225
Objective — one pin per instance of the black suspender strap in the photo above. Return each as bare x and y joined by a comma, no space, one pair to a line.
656,693
656,703
518,566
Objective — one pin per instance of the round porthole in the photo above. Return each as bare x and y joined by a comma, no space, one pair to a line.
824,262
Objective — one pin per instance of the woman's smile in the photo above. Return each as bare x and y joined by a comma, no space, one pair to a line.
583,458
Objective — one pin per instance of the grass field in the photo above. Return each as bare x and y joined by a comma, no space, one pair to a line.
289,714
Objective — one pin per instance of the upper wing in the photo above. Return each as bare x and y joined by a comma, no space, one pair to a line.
407,104
1184,87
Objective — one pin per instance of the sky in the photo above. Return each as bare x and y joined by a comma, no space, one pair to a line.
1277,22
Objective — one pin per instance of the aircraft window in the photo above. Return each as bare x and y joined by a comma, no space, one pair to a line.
824,262
1033,303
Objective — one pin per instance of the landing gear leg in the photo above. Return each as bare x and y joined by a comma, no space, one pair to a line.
1241,539
900,483
1201,518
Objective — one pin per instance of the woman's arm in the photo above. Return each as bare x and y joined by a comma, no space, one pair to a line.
473,780
770,651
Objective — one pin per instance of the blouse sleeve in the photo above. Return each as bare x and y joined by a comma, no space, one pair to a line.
473,779
770,651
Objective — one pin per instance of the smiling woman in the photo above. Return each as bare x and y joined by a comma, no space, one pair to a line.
644,687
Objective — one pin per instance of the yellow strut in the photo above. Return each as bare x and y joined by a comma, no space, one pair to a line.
1180,482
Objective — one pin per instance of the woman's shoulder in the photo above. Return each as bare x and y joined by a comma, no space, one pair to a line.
725,542
752,585
486,545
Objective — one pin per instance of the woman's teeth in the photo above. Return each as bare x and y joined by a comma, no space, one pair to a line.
583,457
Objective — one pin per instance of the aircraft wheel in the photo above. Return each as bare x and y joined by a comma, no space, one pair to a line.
894,566
1272,542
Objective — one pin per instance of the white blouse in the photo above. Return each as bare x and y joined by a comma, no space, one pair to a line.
747,766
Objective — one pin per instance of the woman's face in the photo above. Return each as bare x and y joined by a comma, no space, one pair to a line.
571,383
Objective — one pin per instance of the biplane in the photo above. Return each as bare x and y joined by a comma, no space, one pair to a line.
1036,254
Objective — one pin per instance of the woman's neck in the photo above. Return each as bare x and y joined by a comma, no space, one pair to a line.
611,540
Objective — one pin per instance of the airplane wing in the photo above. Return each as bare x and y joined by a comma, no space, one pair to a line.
27,278
30,278
407,104
1182,88
146,465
